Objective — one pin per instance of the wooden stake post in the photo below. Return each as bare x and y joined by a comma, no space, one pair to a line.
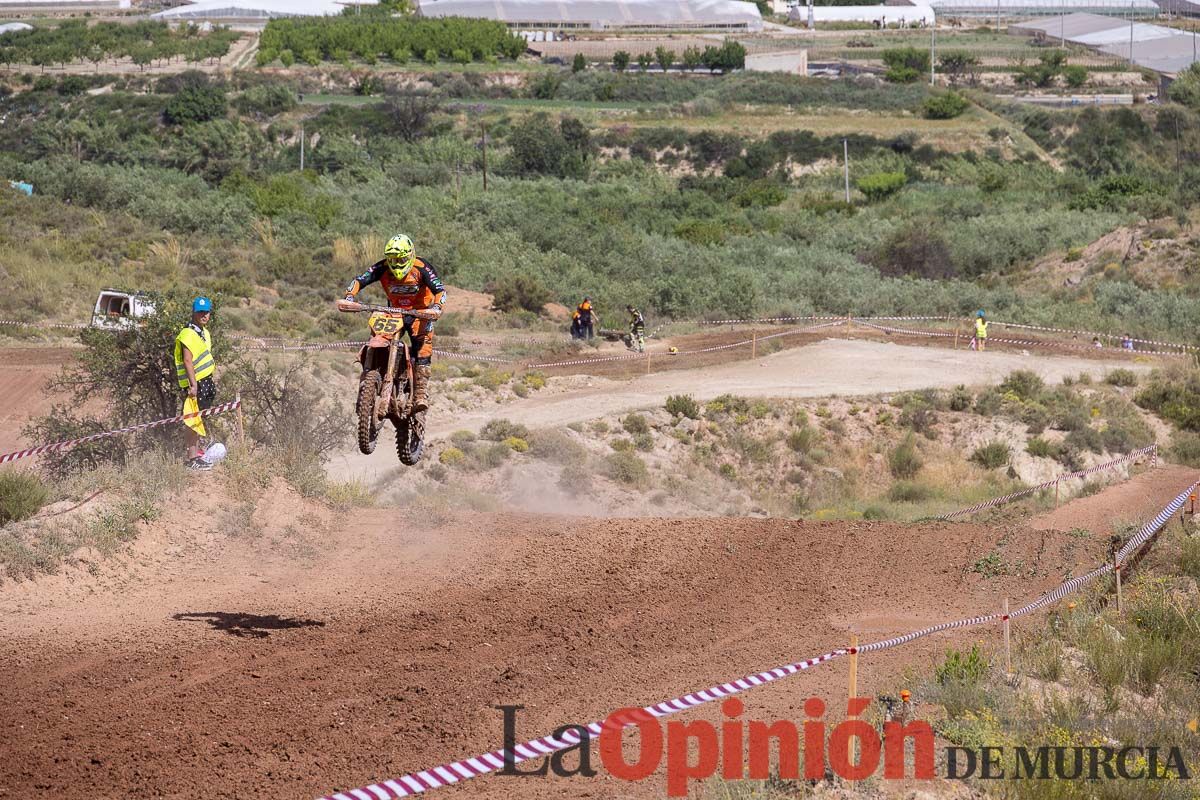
241,423
753,344
1117,571
853,666
1007,640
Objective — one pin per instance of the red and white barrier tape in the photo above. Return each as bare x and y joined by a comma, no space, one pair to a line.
1113,336
465,769
1019,342
1151,451
457,771
63,325
69,443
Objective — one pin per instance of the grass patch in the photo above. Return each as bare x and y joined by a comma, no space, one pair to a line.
991,455
22,494
904,461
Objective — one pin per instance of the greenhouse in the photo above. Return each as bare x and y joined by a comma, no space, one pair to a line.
1009,9
604,14
252,9
1156,47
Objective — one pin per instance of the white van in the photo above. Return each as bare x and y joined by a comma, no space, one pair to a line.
120,310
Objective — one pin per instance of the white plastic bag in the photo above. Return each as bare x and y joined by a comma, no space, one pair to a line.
215,453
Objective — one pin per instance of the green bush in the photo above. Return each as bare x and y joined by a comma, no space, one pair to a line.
880,185
970,667
991,455
554,445
683,405
517,444
1121,377
904,462
1075,76
945,106
1025,384
514,291
22,494
905,64
909,492
635,423
1185,449
627,468
497,430
195,104
803,439
575,479
579,64
1041,448
452,456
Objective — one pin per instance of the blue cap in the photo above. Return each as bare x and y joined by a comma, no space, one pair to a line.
201,304
979,313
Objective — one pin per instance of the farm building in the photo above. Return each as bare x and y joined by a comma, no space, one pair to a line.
603,14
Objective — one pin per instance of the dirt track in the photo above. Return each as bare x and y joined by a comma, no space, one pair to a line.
318,656
830,367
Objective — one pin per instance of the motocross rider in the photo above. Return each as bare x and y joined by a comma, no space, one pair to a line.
410,283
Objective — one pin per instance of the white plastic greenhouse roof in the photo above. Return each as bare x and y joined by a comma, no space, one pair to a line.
1035,7
253,9
1156,47
602,13
913,13
13,27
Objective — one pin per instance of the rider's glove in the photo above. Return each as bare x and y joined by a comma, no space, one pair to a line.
436,307
350,297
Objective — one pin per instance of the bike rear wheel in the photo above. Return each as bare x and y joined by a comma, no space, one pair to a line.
410,439
368,427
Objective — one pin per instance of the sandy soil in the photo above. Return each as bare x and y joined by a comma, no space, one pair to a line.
332,652
26,371
835,366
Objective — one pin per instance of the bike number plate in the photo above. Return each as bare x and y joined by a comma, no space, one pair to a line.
385,323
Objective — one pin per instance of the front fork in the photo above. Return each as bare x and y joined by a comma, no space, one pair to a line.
388,405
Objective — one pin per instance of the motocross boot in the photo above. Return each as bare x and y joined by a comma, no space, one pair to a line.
421,387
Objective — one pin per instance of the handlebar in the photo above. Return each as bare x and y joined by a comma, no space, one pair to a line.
352,307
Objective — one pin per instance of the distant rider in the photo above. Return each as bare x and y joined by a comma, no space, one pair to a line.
637,329
410,283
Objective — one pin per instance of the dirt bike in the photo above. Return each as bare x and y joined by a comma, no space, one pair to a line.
385,388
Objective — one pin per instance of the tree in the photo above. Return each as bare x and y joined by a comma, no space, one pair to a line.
905,64
644,61
539,148
955,64
1075,75
195,104
729,56
664,57
579,64
621,60
411,114
879,185
691,58
431,56
1186,87
287,58
945,106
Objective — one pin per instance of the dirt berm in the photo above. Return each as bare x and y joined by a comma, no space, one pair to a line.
309,653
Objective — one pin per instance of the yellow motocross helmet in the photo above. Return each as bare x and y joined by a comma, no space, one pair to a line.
399,256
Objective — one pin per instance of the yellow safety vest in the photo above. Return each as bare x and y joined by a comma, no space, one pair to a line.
981,329
198,341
